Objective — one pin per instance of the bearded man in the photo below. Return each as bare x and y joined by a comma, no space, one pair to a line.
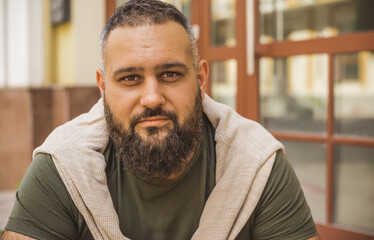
156,158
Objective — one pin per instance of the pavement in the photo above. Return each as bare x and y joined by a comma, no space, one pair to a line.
7,199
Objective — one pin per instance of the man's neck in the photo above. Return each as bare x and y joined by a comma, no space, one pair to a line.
174,176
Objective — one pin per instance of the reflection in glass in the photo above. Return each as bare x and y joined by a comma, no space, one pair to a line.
183,5
293,93
354,191
307,19
186,8
311,171
354,94
120,2
224,81
222,16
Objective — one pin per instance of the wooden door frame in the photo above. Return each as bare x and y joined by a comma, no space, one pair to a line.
110,6
220,53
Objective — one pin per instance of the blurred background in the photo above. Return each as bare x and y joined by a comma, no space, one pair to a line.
302,68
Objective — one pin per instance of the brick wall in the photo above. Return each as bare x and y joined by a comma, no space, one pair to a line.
27,116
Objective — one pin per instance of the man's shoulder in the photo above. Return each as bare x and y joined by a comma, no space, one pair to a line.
282,199
42,159
43,173
42,198
281,174
42,166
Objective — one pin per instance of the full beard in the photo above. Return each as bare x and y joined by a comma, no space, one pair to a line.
151,157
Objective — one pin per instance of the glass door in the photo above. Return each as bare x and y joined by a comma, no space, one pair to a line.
219,46
316,91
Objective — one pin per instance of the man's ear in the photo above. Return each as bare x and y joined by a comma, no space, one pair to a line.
203,76
100,81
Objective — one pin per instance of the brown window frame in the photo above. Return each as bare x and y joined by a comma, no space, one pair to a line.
354,42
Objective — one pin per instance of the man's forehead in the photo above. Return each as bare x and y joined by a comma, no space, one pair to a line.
165,38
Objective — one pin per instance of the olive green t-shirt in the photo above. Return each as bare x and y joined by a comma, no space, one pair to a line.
158,209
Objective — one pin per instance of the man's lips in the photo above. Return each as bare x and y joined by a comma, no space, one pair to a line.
155,121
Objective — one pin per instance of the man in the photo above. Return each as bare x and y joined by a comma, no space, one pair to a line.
174,166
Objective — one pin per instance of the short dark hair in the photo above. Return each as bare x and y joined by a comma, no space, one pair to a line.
141,12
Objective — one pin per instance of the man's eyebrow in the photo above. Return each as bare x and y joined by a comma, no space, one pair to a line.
171,65
126,70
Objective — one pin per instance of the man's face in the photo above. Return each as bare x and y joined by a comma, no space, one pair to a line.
150,83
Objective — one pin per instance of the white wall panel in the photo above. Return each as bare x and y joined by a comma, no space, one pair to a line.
24,42
2,44
35,45
17,43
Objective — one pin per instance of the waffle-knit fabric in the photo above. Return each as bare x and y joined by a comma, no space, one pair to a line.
245,154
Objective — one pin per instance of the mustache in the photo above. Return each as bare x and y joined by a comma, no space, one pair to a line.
149,112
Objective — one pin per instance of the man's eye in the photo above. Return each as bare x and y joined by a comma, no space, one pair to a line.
170,75
131,78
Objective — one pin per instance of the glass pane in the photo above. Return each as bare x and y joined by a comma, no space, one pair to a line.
186,8
307,19
354,191
293,93
224,81
311,170
354,94
222,28
183,5
120,2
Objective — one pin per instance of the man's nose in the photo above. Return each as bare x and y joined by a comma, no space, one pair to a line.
152,95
